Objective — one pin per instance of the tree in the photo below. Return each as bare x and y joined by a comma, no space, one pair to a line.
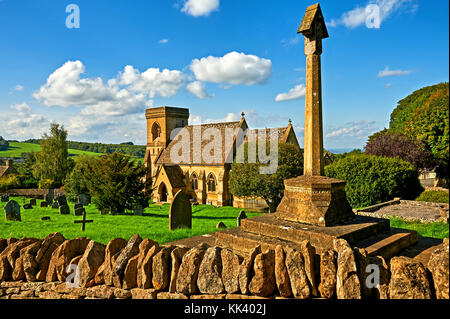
392,144
76,181
116,182
246,180
25,170
53,162
3,144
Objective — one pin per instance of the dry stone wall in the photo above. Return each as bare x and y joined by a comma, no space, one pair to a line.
58,268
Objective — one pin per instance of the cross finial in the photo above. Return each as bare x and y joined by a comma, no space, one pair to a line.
290,122
243,114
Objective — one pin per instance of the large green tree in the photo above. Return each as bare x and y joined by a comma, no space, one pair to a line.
76,181
246,179
53,162
115,182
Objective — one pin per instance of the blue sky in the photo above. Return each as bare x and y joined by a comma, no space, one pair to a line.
216,57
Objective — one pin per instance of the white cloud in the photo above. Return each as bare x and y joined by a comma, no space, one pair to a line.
163,41
353,129
372,14
386,72
198,89
199,8
18,88
295,93
232,68
165,83
292,41
22,108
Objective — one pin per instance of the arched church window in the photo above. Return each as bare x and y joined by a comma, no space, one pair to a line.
156,131
211,183
194,182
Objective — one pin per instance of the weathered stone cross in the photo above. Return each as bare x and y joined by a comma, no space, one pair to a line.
314,29
83,221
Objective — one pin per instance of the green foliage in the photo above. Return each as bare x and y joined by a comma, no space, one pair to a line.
75,183
52,162
247,181
46,183
116,182
407,105
372,179
9,181
4,145
355,152
434,197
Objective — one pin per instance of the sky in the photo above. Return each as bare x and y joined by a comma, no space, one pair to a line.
95,66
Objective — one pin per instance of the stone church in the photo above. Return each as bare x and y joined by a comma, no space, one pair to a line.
203,181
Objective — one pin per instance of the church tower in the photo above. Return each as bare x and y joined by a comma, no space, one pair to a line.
160,123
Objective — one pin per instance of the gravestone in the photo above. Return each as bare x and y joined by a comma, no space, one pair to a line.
240,217
221,225
44,204
48,198
180,214
5,198
45,218
12,211
76,206
83,199
27,206
55,205
33,202
138,210
61,200
79,211
64,210
83,221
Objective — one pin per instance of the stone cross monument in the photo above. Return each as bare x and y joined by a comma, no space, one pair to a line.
314,198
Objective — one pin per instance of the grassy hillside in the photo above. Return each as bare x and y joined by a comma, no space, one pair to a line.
17,148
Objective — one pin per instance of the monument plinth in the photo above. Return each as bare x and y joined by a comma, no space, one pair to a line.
314,199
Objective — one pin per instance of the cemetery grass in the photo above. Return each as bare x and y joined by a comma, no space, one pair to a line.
435,230
154,223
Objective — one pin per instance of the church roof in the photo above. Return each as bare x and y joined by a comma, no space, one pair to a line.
175,176
165,157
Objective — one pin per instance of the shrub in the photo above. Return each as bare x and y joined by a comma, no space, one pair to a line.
434,197
374,179
9,181
3,144
46,183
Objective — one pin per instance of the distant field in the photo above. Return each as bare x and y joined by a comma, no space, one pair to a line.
17,148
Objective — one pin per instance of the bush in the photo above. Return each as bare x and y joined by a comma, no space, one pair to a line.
46,183
434,197
373,179
3,144
9,181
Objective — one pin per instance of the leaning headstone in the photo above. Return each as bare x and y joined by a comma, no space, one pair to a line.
240,217
64,210
180,214
44,204
55,205
12,211
76,206
48,198
83,199
27,206
5,198
138,210
33,202
78,211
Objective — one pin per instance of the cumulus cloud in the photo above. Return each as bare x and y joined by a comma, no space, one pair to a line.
372,14
295,93
199,8
18,88
22,108
198,89
232,68
387,72
21,123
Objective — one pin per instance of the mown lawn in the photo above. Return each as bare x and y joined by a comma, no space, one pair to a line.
154,224
435,230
